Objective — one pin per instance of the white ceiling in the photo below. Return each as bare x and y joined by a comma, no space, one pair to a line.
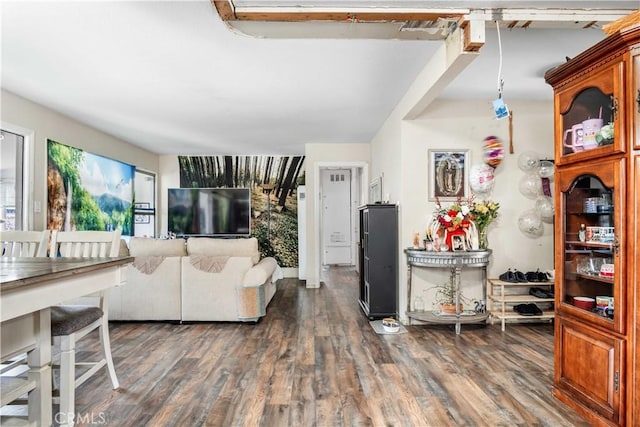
170,76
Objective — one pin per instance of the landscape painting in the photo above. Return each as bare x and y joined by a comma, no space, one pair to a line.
273,181
88,192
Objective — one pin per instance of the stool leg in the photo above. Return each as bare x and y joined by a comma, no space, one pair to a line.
67,380
106,347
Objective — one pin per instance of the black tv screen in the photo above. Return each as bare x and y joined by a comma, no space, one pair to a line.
209,211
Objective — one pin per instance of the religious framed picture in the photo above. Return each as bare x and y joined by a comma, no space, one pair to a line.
448,174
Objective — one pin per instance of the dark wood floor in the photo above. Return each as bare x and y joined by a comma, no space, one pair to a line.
314,360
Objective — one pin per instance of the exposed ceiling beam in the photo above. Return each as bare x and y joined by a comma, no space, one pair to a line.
358,15
225,9
458,51
273,21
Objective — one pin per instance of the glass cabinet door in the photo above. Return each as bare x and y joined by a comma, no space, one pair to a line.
590,123
591,279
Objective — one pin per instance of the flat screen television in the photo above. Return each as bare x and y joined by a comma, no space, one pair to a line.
218,212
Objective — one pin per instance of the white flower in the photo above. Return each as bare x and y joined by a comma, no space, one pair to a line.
459,215
447,218
465,210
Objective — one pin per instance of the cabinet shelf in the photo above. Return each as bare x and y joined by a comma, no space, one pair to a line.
605,245
596,278
590,213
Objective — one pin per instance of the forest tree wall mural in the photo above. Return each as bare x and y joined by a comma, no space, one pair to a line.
273,181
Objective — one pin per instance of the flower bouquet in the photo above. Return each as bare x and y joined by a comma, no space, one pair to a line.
467,218
483,214
454,220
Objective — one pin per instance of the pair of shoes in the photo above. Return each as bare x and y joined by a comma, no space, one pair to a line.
540,293
514,276
520,277
536,276
529,309
508,276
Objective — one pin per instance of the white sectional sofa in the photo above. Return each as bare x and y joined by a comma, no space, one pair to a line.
202,279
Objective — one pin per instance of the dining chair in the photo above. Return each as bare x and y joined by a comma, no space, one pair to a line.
24,243
70,323
15,380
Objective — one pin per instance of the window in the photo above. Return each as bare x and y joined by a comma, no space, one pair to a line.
11,181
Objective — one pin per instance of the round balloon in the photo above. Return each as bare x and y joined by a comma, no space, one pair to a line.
481,178
544,207
530,186
528,161
493,151
545,169
530,223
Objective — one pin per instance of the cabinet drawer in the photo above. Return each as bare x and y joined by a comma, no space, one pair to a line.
589,367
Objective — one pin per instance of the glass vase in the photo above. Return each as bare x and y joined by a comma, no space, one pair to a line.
483,242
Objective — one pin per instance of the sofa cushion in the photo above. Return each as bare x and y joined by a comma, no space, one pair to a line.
224,247
260,272
144,246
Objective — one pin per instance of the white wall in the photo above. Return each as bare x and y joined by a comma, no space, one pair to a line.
48,124
170,172
464,125
316,155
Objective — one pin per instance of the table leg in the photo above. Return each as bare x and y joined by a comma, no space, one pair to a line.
408,293
39,360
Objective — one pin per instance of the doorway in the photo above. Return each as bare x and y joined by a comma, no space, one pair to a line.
356,175
336,216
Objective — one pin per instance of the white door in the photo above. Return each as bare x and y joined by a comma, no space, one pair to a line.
336,216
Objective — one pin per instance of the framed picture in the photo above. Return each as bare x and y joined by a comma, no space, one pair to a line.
142,219
448,174
140,216
75,174
458,243
375,190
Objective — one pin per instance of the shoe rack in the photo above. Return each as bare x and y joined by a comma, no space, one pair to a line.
503,296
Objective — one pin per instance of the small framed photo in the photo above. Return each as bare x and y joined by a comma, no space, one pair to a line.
141,219
448,174
458,243
375,190
142,213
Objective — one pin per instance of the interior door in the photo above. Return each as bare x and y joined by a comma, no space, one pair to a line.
336,216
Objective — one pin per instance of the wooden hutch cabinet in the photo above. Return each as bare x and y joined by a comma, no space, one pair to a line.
597,236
